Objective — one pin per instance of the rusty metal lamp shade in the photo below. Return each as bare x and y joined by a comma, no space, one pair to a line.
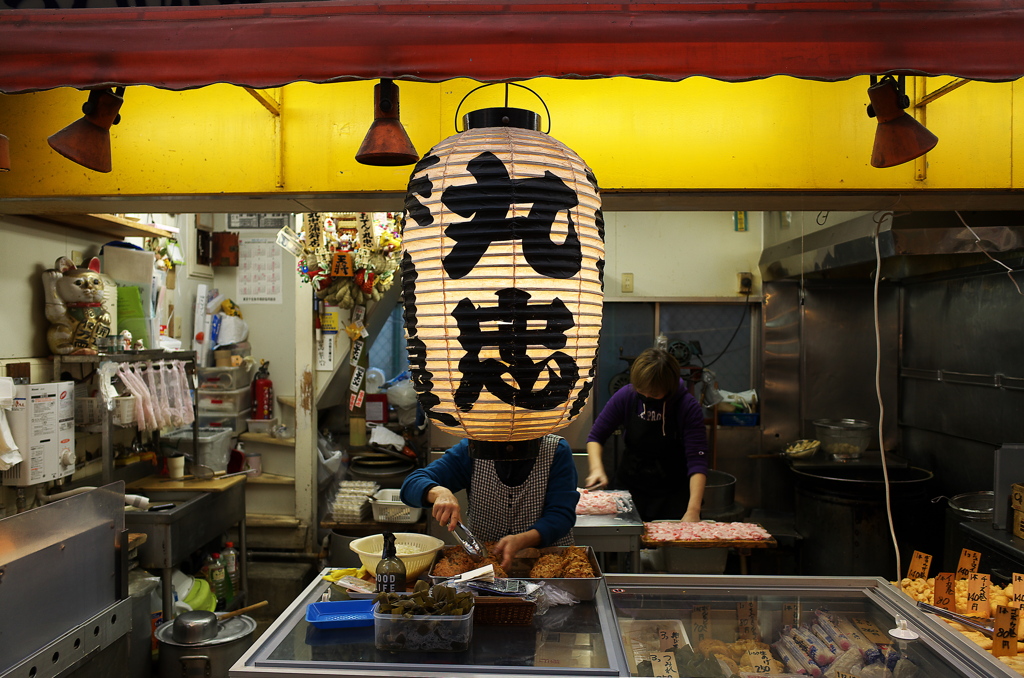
5,154
503,285
899,138
386,143
87,140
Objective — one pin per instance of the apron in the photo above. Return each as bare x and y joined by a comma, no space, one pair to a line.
496,510
653,466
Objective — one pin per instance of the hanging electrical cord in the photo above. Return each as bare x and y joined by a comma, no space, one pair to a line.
743,316
1009,271
879,218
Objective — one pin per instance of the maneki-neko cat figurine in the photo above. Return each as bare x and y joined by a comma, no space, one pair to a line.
75,307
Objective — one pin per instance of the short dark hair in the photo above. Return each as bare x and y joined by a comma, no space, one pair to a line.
655,371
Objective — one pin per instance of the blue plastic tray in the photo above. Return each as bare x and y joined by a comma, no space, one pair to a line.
340,614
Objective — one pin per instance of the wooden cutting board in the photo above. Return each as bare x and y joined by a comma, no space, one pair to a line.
711,543
163,484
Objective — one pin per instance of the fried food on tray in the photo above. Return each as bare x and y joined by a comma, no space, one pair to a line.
455,561
548,566
577,565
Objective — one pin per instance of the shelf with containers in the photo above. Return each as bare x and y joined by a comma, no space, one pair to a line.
99,419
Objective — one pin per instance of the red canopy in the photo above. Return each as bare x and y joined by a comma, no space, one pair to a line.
268,45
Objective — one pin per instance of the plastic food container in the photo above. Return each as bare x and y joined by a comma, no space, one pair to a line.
224,378
224,420
215,400
844,439
340,614
214,446
416,563
388,508
261,425
422,632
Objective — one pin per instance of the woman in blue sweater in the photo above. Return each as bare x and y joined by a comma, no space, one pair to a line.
518,503
665,462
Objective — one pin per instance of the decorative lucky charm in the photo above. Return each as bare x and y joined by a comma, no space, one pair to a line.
75,299
503,285
365,280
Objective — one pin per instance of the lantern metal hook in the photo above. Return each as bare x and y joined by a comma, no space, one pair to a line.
459,107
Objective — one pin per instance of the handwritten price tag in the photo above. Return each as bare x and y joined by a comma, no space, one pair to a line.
870,631
668,639
920,563
968,563
945,591
664,665
1004,640
700,620
1018,589
746,619
977,595
760,660
790,614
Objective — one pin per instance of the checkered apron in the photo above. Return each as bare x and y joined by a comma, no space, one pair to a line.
497,510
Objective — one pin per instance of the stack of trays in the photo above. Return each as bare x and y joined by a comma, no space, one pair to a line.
352,502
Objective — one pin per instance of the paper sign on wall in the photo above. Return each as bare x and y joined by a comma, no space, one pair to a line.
325,353
357,379
357,352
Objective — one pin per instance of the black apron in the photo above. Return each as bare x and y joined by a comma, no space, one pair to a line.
653,467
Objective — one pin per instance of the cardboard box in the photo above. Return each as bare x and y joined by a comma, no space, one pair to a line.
1017,497
1018,524
43,425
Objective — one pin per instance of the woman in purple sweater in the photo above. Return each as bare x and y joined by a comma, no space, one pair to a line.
665,441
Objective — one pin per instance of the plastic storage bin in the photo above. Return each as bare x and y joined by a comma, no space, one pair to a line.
261,425
223,420
215,400
224,378
388,508
214,446
422,632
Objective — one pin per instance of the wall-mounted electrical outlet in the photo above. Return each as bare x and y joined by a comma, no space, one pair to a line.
746,282
627,283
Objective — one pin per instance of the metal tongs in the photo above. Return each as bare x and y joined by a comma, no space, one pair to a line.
970,622
470,544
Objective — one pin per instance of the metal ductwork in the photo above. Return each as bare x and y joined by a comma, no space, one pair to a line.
911,244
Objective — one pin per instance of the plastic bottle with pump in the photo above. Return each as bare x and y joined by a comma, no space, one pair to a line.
263,393
390,573
230,556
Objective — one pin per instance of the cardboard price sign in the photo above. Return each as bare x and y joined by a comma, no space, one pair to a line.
790,614
664,665
968,563
920,563
1018,589
700,620
760,661
1004,639
977,595
668,639
945,591
746,619
870,631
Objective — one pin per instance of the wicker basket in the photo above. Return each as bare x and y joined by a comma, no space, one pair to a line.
504,610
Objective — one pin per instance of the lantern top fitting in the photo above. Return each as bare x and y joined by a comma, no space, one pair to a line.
503,116
508,450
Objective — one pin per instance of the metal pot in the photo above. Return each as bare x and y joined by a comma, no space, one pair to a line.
973,505
719,492
198,645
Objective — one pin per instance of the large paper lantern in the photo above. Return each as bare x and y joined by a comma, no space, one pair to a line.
502,282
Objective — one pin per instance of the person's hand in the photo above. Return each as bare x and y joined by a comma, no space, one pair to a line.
596,480
446,511
507,547
692,516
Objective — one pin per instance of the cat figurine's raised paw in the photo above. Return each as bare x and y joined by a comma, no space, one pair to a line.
74,306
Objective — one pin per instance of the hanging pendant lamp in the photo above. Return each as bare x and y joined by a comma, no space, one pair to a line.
899,137
503,283
386,143
87,140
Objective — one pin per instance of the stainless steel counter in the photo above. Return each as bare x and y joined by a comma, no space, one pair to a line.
619,533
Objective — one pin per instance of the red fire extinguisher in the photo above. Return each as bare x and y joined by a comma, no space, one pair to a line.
263,393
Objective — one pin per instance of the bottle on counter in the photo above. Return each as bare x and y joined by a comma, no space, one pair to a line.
219,581
390,574
230,556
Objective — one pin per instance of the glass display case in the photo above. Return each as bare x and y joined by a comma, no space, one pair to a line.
640,625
